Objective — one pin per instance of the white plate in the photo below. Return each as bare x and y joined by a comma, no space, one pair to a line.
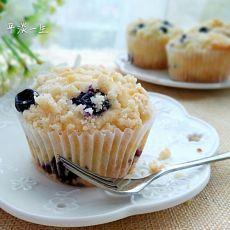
30,195
161,77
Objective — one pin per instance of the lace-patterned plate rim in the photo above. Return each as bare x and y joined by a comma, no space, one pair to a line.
162,77
116,207
108,217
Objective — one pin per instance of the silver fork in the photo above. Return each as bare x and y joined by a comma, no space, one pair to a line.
128,186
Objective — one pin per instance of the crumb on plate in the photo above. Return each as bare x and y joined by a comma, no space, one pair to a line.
199,150
155,167
164,154
194,137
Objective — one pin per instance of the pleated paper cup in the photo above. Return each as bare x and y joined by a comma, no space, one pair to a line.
198,65
109,154
147,53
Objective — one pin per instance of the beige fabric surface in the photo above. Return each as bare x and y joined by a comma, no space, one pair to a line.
208,210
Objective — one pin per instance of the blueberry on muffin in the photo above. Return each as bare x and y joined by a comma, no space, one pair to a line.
25,99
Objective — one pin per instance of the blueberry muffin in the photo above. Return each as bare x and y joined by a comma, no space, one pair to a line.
93,116
146,40
202,54
214,25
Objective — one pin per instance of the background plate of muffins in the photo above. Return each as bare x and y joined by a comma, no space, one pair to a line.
107,123
161,53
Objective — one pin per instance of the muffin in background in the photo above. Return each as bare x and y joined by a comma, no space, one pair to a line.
201,55
146,41
93,116
214,25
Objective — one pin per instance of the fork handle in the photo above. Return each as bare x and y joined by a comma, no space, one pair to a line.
190,164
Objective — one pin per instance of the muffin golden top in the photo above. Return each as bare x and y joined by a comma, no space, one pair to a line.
152,29
210,35
214,25
87,98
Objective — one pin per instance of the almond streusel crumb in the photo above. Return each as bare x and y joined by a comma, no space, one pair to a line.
54,110
155,167
164,154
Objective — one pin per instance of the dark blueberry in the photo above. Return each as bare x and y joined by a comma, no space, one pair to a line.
85,99
141,25
25,99
54,166
130,58
62,171
204,29
167,23
63,174
105,107
183,37
47,168
43,166
163,29
138,153
91,89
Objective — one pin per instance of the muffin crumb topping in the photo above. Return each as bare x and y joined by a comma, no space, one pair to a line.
88,98
152,27
210,35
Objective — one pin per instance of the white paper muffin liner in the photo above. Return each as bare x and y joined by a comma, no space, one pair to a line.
106,153
198,65
147,53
